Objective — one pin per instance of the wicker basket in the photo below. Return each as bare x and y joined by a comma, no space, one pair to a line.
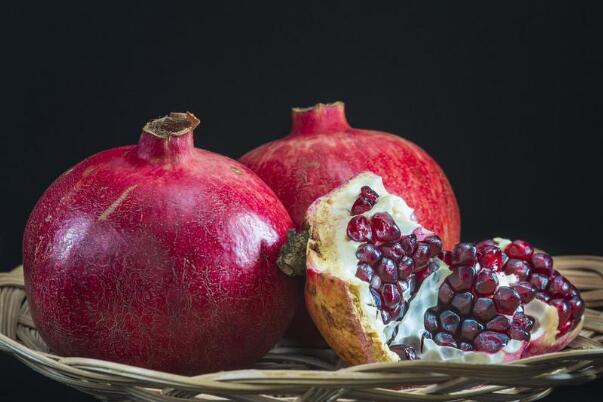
292,373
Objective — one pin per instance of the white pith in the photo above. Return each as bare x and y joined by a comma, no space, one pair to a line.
341,263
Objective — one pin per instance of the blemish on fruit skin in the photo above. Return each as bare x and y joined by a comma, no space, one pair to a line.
116,203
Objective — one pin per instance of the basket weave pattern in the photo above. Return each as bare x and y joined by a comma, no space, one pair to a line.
291,373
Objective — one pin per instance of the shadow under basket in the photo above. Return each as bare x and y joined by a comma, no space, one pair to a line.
292,373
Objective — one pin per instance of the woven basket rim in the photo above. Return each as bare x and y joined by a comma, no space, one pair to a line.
288,372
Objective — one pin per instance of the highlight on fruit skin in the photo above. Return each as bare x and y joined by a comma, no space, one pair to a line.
381,289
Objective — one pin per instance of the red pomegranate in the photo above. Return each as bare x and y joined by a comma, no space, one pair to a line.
159,255
380,288
322,152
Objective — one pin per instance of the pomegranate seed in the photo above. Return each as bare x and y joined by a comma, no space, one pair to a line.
384,227
398,311
449,321
435,244
517,267
402,286
421,254
392,250
376,298
470,328
543,264
543,296
444,339
359,229
445,256
526,292
412,283
360,206
461,279
490,342
519,334
369,194
563,309
505,258
577,306
406,266
560,287
490,257
368,253
462,302
430,321
464,254
409,243
385,316
484,309
467,347
404,351
428,270
539,281
564,327
445,294
485,243
485,283
506,300
390,295
522,321
519,249
364,272
387,270
500,323
375,282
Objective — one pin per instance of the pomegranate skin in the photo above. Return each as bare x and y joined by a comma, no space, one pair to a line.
322,152
159,255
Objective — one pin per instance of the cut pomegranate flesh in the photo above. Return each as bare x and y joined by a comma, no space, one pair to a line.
392,264
475,312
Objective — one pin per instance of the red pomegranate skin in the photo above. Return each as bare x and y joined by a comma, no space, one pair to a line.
322,152
159,255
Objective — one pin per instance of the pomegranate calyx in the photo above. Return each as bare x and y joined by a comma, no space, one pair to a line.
321,118
292,258
172,125
168,139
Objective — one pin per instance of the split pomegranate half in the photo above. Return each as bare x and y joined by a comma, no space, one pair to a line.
380,288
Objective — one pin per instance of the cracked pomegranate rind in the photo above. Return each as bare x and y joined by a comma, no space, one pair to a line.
378,292
363,269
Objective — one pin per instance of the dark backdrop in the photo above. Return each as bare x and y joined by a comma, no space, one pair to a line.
505,96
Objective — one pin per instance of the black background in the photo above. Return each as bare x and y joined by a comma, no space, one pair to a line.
506,96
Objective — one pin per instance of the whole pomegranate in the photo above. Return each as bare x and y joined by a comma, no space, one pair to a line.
159,255
380,288
322,152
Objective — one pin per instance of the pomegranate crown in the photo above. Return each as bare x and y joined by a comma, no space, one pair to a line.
172,125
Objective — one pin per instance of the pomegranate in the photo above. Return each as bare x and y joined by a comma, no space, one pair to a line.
322,152
380,288
159,255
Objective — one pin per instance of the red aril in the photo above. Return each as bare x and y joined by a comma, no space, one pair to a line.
159,255
322,152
